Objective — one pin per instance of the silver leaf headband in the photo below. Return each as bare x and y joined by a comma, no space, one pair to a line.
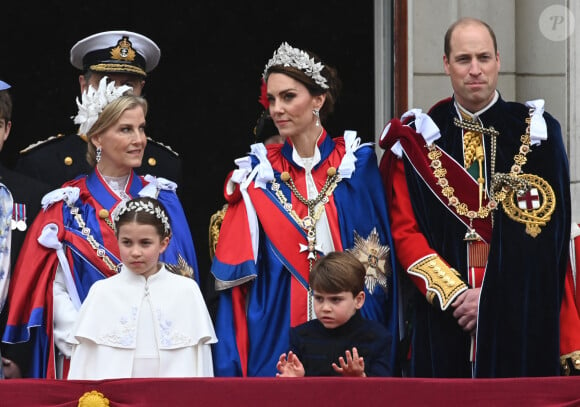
94,101
149,207
289,56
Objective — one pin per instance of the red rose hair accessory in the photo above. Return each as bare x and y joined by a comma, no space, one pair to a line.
263,99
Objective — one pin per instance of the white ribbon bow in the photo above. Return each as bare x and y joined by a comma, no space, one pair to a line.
351,144
156,184
264,171
424,125
67,194
538,127
49,239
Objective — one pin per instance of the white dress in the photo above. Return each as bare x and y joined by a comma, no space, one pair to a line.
129,326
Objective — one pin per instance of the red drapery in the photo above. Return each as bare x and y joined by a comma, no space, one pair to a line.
301,392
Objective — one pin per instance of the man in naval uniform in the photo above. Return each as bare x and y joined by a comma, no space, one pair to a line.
126,58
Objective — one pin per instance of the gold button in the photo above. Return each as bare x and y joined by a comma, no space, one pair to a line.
152,161
103,214
68,160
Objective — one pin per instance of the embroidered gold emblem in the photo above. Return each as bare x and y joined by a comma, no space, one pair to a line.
181,268
123,51
441,280
533,205
215,223
570,362
374,257
93,399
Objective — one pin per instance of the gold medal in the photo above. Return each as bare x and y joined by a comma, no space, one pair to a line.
533,206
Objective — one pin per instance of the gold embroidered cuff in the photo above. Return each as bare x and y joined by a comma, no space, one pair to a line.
570,363
441,280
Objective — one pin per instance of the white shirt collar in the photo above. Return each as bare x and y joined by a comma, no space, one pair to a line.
479,112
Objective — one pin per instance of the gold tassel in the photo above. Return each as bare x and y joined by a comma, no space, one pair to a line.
478,252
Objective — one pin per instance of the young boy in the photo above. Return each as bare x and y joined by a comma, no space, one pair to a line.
317,346
26,195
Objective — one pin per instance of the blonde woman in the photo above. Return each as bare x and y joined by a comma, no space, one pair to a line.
72,243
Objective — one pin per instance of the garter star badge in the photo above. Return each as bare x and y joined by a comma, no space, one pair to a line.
532,205
374,257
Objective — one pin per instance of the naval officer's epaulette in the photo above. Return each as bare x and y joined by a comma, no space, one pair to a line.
165,146
60,135
41,142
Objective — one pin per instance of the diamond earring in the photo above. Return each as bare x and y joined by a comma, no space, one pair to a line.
316,113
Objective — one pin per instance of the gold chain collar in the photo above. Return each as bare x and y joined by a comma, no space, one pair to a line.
501,183
308,223
474,126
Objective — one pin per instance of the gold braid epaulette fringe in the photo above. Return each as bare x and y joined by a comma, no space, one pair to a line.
442,281
569,362
215,223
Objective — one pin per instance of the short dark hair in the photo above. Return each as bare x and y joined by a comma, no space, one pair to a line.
336,272
5,105
466,21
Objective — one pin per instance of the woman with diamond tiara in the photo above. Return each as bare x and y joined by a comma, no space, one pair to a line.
133,324
288,205
71,244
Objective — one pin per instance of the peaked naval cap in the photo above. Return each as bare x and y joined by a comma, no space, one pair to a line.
116,52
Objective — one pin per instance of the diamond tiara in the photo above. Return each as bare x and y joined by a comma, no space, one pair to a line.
138,206
289,56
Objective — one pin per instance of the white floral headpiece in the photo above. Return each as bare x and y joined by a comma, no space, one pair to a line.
149,207
94,101
289,56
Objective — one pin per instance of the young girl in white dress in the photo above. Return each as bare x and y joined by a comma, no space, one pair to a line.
145,321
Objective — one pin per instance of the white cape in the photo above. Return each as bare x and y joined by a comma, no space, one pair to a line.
106,332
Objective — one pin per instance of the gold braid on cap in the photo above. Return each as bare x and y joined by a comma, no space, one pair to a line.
149,207
295,57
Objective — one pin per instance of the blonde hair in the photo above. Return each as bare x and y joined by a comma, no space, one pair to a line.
109,117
